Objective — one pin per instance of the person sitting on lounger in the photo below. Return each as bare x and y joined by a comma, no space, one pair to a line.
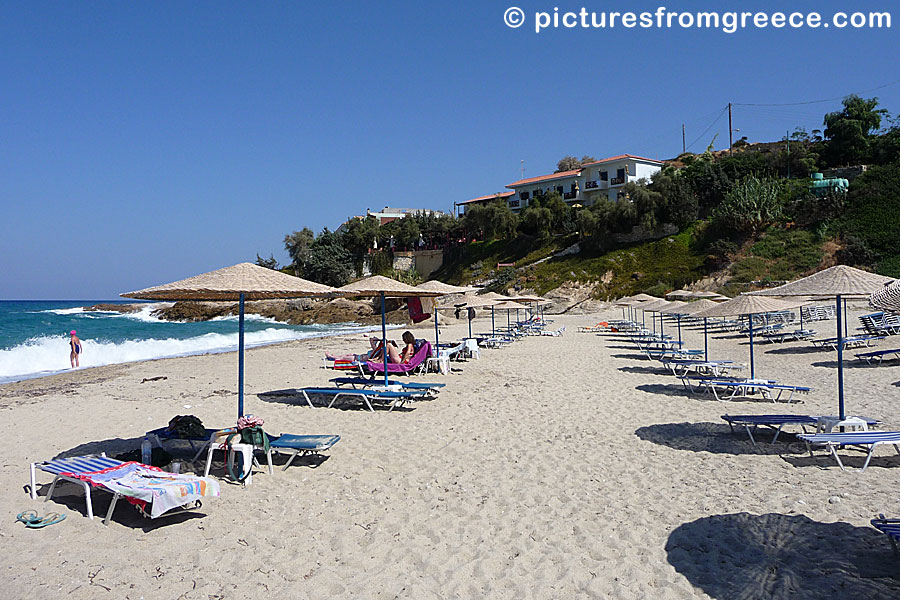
395,354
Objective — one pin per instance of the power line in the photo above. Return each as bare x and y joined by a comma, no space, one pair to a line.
880,87
713,124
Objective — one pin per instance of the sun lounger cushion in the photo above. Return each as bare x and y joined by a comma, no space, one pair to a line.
417,359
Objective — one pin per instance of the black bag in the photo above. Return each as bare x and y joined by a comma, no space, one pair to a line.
187,427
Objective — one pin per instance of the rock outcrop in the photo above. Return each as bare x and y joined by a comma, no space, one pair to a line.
302,311
119,308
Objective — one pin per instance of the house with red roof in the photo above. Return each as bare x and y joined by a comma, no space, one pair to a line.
593,182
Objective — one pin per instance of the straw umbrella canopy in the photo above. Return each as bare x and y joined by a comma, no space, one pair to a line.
704,294
695,307
654,305
495,298
508,306
746,304
680,294
244,281
839,281
444,289
644,297
378,286
887,298
676,309
469,300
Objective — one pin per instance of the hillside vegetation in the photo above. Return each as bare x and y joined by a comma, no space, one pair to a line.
744,218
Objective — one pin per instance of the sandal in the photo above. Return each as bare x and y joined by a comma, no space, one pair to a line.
28,517
50,519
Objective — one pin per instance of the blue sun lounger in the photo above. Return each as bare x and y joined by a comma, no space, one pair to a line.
776,422
891,528
878,356
854,439
357,382
103,473
394,398
768,389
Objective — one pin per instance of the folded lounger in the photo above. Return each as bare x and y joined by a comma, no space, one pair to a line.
861,439
152,490
891,528
356,382
395,399
775,422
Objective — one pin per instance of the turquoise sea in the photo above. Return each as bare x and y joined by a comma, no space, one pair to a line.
34,336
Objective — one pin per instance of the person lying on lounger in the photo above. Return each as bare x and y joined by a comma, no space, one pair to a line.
372,354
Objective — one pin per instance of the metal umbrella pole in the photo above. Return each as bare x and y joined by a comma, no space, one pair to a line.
241,357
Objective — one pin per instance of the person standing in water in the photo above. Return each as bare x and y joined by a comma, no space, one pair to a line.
75,346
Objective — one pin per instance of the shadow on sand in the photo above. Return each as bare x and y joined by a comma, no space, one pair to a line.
295,398
749,556
717,439
660,370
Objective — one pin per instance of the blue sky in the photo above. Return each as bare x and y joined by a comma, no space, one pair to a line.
146,142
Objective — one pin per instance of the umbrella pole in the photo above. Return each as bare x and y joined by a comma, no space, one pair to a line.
846,314
752,369
840,360
469,312
437,345
508,324
493,334
662,326
705,342
241,358
384,350
679,331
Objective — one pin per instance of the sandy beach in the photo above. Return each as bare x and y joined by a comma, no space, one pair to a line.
566,467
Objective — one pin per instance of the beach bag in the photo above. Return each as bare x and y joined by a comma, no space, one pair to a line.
187,427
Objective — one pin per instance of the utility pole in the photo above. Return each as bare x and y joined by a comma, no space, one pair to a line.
683,146
730,133
787,136
522,168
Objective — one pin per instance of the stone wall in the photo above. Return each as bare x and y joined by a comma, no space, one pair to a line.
425,262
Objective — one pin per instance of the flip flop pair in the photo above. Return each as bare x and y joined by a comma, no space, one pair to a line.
32,521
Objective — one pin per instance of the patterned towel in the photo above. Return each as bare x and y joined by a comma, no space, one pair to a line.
143,485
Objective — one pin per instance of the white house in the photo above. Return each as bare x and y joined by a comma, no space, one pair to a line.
599,180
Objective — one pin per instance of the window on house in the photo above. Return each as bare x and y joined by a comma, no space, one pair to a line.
620,173
523,195
604,176
559,189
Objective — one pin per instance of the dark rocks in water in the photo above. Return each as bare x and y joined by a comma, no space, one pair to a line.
301,311
119,308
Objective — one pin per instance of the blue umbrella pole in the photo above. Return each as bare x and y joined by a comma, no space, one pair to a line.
752,366
469,317
846,314
705,342
241,358
508,324
384,350
492,322
679,330
662,326
840,360
437,345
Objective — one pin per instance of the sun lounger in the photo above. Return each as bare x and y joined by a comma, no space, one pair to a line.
770,390
416,362
776,422
362,382
891,528
877,356
141,485
556,333
705,368
854,439
854,341
394,398
784,336
286,443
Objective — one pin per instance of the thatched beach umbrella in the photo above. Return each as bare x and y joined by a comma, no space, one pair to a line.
469,300
887,298
495,298
746,305
676,309
695,307
444,289
655,306
378,286
839,281
244,281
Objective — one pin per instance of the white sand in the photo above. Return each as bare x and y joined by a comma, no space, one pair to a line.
555,468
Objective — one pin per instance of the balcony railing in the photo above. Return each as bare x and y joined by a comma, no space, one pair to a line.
591,185
617,181
570,195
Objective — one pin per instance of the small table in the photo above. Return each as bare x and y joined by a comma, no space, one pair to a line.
438,364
